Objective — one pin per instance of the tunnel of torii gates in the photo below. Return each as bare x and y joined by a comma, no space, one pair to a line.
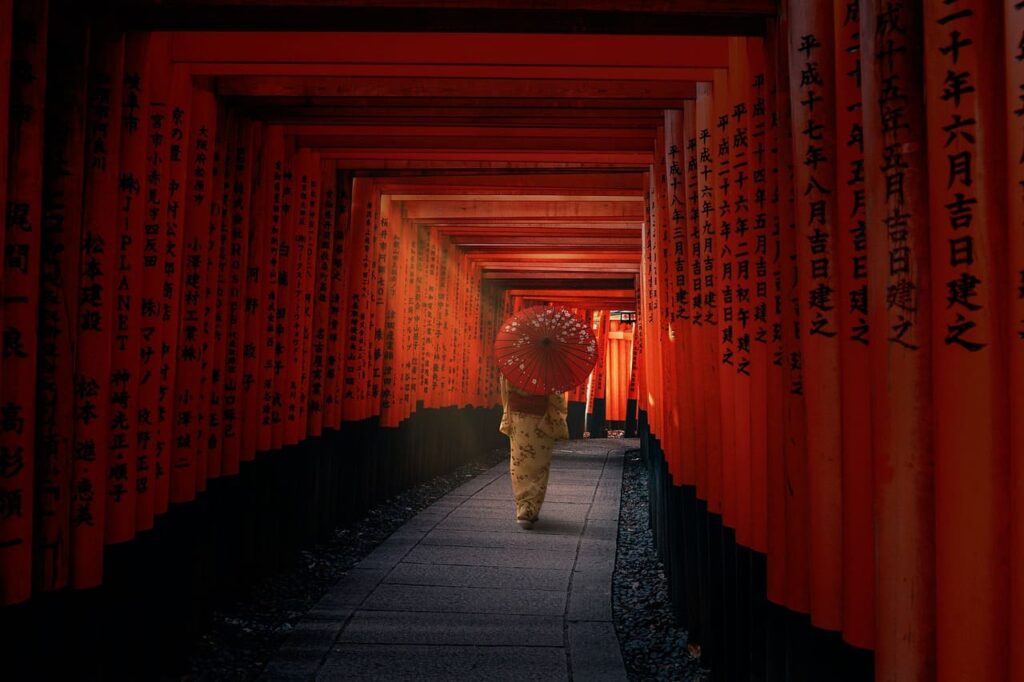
255,259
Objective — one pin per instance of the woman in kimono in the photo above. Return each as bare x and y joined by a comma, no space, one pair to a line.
532,423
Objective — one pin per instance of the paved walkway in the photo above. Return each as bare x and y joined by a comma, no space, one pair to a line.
461,593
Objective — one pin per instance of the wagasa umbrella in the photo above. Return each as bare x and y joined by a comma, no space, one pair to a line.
545,349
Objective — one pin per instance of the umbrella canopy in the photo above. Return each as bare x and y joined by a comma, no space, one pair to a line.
545,350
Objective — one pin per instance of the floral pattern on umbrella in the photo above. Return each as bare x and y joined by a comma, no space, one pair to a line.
545,349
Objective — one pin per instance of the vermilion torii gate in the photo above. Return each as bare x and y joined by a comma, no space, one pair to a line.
238,237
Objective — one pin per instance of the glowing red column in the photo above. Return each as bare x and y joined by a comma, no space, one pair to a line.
966,148
852,301
812,95
898,293
1015,225
20,303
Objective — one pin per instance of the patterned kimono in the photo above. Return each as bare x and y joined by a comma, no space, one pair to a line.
532,437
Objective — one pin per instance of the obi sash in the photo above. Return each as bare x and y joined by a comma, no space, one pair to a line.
529,404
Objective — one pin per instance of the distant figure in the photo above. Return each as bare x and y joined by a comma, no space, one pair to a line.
532,423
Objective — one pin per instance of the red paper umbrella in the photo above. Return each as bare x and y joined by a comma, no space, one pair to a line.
545,350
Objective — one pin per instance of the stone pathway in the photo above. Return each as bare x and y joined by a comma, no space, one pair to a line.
461,593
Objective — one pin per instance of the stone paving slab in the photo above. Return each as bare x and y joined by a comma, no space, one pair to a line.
558,526
488,556
461,593
591,657
477,629
480,576
461,599
514,539
399,663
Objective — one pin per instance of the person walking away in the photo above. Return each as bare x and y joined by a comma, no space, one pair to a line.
532,423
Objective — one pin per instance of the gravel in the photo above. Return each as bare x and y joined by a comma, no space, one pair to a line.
653,645
244,635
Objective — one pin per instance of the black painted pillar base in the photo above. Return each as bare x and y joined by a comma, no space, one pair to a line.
596,422
718,590
577,417
160,589
631,418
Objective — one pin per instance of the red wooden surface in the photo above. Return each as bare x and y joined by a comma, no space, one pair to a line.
851,238
1015,228
6,42
269,214
693,337
216,305
812,96
20,290
320,351
125,370
64,176
901,399
707,312
238,198
779,162
742,276
173,266
154,319
761,313
966,155
187,459
661,373
287,360
797,544
96,308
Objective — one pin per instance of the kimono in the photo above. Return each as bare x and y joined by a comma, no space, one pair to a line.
532,438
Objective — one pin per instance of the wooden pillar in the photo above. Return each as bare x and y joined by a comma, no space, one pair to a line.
64,177
742,279
283,264
327,180
662,380
854,334
238,215
400,289
218,241
96,309
966,147
177,127
187,460
694,310
380,231
812,94
1014,108
899,289
710,358
122,464
270,216
154,322
724,198
798,560
296,240
336,189
288,358
679,268
357,290
779,167
20,275
762,315
313,228
6,44
650,268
